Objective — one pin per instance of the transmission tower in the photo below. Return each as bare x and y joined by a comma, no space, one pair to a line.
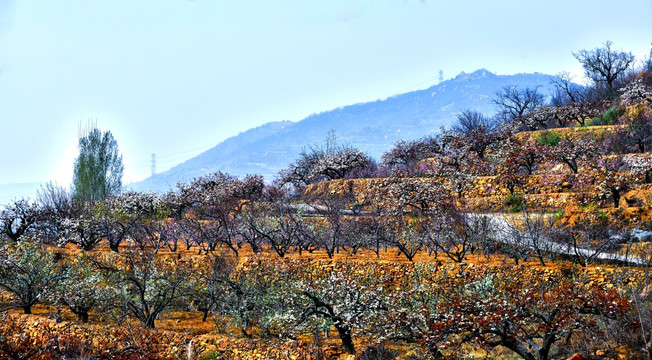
649,60
153,164
441,75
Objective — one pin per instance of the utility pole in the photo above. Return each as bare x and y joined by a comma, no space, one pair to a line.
153,164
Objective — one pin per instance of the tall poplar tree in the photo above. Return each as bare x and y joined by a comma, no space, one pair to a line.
98,168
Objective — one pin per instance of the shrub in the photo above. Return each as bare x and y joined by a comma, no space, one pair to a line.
612,114
609,117
597,121
550,138
558,215
515,202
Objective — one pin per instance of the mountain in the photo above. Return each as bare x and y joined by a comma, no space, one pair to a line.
372,127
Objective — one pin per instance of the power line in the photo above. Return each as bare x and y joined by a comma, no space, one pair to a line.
180,155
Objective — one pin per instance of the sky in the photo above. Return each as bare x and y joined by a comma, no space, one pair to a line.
175,78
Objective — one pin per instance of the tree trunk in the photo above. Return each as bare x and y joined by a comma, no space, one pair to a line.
616,196
115,247
149,321
519,349
544,351
436,354
173,245
572,164
27,309
345,336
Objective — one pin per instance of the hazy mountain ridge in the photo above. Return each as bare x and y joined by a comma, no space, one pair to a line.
372,127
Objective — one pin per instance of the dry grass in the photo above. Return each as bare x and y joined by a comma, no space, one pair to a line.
191,324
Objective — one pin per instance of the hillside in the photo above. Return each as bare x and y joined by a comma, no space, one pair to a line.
526,247
372,127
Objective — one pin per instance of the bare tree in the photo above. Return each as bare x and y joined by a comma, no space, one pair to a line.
470,121
480,130
603,65
587,239
405,155
18,218
566,90
538,230
221,199
56,205
276,223
613,176
137,216
330,233
360,233
403,233
514,103
456,234
411,203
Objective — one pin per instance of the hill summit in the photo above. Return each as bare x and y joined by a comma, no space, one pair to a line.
372,127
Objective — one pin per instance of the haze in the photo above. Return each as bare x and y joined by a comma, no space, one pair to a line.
178,77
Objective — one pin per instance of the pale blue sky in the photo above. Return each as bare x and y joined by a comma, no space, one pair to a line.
177,77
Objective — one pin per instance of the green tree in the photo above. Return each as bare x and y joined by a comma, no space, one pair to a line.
98,168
